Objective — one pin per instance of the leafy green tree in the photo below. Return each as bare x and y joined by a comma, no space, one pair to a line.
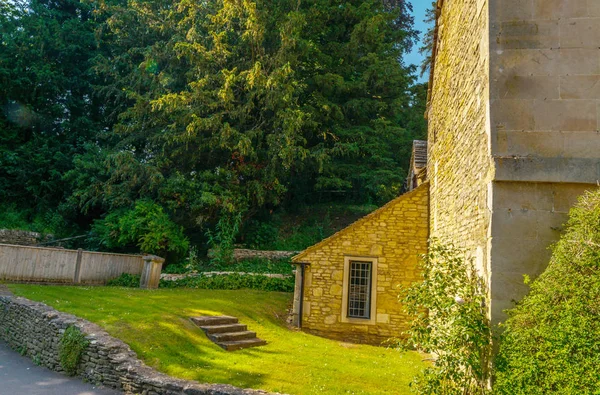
550,343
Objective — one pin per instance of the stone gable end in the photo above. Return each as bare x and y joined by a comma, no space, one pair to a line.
395,236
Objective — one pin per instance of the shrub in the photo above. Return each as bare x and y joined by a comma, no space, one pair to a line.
222,239
146,225
451,323
232,282
551,342
125,280
72,345
189,265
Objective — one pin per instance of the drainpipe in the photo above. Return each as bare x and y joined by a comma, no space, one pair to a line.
301,307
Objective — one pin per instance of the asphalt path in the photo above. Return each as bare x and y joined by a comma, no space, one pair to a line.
20,376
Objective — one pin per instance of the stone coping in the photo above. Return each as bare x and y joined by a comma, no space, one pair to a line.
35,329
175,277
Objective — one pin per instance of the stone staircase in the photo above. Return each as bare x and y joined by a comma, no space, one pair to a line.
227,332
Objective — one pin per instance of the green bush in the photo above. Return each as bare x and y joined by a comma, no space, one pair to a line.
232,282
222,239
48,222
146,225
551,340
125,280
450,322
72,345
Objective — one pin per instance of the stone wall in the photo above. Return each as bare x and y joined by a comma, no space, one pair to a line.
514,115
460,167
36,329
545,117
240,254
22,237
396,235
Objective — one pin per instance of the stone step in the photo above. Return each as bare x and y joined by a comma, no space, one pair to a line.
214,320
227,333
240,344
232,336
210,329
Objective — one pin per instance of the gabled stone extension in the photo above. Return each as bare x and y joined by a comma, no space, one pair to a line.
347,286
227,332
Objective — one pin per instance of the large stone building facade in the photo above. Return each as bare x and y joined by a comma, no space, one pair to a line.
514,119
347,286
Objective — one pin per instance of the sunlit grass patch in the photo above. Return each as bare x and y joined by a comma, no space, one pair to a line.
156,325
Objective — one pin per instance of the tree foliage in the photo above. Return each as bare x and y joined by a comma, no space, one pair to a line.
426,48
48,107
146,225
550,341
209,109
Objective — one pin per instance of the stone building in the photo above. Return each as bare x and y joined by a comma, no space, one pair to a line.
513,140
347,286
514,112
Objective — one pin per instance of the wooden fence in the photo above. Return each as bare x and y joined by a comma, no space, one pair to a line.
51,265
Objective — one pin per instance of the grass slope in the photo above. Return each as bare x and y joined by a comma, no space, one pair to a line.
156,325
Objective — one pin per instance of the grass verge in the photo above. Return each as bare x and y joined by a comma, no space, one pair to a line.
156,325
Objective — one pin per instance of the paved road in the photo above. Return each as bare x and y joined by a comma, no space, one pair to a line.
19,376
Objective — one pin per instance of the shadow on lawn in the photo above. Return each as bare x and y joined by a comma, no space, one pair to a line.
194,360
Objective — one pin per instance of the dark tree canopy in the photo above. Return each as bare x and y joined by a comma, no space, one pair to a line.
207,109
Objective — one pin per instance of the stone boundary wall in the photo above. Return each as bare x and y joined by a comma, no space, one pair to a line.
240,254
22,237
35,330
175,277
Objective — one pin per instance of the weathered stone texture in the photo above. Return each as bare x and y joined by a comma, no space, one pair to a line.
36,329
22,237
514,137
240,254
460,165
397,235
545,104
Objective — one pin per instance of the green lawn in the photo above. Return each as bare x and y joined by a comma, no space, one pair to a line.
156,325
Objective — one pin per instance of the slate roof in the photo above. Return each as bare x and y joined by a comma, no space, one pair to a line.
419,155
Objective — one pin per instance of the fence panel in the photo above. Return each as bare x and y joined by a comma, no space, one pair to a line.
51,265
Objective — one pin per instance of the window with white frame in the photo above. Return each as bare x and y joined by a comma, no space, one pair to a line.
359,289
359,293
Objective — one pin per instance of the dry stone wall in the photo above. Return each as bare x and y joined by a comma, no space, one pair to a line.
240,254
21,237
36,329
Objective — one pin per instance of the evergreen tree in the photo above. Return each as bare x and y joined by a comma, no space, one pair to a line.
228,104
49,111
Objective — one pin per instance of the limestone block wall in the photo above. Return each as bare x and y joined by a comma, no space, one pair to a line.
36,329
396,235
545,122
460,167
528,218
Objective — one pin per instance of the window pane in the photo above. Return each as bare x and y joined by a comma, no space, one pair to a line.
359,290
